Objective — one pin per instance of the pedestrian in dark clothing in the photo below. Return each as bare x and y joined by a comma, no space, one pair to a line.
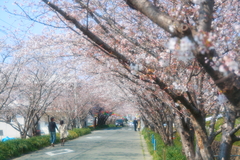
135,122
51,127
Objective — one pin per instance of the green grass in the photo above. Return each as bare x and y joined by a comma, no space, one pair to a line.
162,151
218,125
237,122
17,147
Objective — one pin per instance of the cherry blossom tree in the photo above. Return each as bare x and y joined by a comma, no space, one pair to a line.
38,86
72,105
172,45
9,70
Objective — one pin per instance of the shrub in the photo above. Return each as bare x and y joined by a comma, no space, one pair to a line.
39,141
86,131
16,147
78,131
72,134
111,125
101,127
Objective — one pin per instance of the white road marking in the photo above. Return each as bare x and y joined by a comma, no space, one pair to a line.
61,151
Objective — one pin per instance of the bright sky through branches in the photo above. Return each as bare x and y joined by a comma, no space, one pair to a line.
12,23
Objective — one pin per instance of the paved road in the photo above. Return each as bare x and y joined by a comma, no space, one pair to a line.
110,144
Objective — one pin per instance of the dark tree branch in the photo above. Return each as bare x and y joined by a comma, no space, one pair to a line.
205,15
88,33
169,24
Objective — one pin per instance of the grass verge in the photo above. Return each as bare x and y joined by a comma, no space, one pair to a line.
162,151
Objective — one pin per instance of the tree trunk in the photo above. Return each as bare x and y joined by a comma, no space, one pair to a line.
83,122
227,140
73,123
198,154
202,138
23,134
95,122
170,131
162,132
186,138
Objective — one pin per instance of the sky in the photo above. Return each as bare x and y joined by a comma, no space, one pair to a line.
10,23
5,19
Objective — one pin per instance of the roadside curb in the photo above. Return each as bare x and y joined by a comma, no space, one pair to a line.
147,155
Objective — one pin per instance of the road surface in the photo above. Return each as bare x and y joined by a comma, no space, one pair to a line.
109,144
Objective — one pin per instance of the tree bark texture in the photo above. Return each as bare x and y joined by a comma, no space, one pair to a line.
202,138
227,136
186,137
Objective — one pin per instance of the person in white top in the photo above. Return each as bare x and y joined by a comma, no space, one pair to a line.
63,132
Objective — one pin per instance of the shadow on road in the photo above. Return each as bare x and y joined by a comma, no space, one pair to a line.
113,128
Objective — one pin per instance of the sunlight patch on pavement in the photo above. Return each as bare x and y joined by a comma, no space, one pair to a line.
57,152
93,137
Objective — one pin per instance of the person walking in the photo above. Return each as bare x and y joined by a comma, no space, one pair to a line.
52,130
139,125
63,132
135,124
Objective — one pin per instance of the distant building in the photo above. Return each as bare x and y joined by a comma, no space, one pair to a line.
6,130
